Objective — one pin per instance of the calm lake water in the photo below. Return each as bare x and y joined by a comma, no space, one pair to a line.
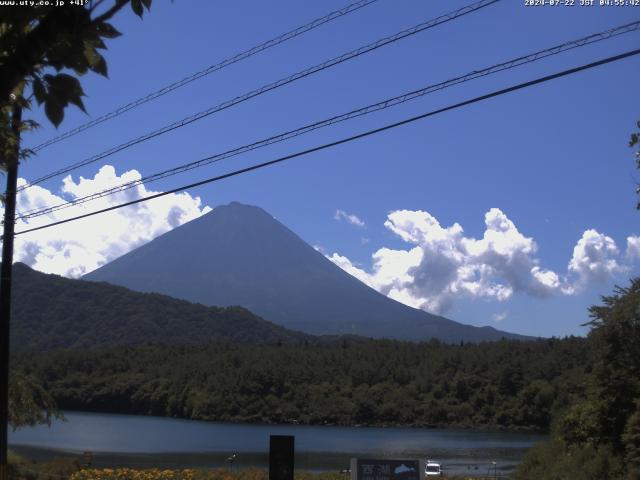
166,442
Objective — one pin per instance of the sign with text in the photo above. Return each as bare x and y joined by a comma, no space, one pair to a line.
386,469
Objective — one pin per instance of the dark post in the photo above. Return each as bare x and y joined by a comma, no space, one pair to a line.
281,457
5,285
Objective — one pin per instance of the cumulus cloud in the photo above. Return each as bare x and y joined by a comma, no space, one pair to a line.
594,258
444,265
349,217
389,272
345,264
75,248
633,247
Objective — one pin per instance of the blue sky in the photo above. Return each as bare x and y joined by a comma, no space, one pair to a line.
553,159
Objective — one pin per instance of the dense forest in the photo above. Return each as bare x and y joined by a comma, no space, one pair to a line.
598,435
51,312
506,384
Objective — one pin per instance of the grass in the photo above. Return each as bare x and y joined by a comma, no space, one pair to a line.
21,468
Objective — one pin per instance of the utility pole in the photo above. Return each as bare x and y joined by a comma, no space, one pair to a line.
5,283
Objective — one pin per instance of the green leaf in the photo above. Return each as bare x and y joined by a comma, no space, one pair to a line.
54,111
107,30
90,54
29,125
80,67
77,61
63,89
101,67
39,91
77,101
97,42
64,86
147,3
136,6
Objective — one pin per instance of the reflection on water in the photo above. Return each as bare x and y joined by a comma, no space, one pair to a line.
130,440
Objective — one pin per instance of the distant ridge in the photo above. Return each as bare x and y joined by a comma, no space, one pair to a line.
51,312
240,255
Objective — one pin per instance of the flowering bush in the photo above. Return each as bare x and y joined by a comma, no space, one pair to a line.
190,474
158,474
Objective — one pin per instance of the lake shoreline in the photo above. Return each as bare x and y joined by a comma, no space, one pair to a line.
148,442
480,428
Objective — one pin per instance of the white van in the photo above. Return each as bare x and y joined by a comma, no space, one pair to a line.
432,469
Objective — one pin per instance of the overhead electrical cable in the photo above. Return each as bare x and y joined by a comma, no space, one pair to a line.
209,70
271,86
352,138
516,62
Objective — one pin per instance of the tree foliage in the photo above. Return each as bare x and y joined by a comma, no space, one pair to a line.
634,142
506,384
44,49
631,440
615,335
29,402
602,429
52,312
556,460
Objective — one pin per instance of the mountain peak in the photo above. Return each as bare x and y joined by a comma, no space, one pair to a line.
239,207
236,204
239,254
238,211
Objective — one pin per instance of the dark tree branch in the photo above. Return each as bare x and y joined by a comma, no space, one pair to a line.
111,12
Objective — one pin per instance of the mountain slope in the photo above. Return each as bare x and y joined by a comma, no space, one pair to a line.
241,255
51,312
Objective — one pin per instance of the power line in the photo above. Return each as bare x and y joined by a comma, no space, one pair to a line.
368,133
271,86
519,61
209,70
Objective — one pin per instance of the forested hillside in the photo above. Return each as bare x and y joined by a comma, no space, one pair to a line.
508,384
598,435
51,312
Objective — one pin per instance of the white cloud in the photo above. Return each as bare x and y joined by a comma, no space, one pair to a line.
499,317
594,258
389,272
633,247
349,217
443,265
75,248
345,264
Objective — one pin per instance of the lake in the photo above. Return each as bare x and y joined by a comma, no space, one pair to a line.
139,441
